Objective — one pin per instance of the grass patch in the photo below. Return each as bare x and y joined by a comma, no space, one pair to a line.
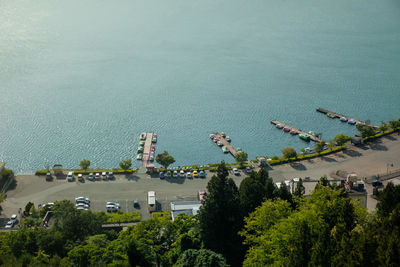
163,214
123,217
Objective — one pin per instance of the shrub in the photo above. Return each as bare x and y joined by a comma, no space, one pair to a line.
159,214
123,217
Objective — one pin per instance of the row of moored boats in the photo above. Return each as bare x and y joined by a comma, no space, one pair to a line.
142,142
342,119
219,142
292,131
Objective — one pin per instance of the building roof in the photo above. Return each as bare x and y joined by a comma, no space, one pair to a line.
186,207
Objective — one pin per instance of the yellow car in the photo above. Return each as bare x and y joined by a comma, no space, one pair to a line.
195,174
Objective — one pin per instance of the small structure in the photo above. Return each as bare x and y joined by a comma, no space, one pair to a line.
150,168
186,207
356,140
151,201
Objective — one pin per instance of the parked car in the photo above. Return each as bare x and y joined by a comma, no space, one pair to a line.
80,178
169,174
201,195
84,200
175,174
248,170
48,177
83,205
195,174
14,218
91,177
162,175
70,176
9,224
97,177
112,203
188,175
111,176
202,174
182,174
104,175
136,204
236,171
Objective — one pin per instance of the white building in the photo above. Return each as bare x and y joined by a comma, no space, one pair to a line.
186,207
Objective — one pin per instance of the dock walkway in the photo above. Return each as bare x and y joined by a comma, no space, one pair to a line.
232,150
337,115
298,131
146,149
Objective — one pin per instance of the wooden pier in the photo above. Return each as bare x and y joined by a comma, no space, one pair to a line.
337,115
146,149
298,131
232,150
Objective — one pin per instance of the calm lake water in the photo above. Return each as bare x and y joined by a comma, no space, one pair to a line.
82,79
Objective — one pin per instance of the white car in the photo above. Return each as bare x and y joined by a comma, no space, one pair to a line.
84,200
188,175
82,205
82,208
13,218
91,176
9,224
70,176
182,174
175,174
104,175
112,203
235,171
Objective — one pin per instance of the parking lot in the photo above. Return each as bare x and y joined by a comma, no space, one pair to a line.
124,189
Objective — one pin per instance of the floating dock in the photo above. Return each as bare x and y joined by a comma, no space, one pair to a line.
298,131
232,150
337,115
146,149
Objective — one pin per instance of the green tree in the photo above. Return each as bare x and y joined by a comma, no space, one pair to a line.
383,127
165,159
84,164
220,217
126,164
365,130
241,157
388,199
300,189
319,147
341,139
289,153
394,124
252,193
200,258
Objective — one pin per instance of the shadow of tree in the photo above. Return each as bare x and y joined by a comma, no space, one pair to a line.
352,153
132,177
298,166
378,147
328,159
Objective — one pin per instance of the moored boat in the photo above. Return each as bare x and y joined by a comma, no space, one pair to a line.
351,121
153,148
279,126
312,133
343,119
330,115
216,139
223,134
140,149
239,149
139,156
304,137
286,129
225,149
293,132
143,136
212,136
154,138
227,138
219,143
142,142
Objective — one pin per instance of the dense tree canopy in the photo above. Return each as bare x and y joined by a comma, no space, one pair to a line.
125,164
165,159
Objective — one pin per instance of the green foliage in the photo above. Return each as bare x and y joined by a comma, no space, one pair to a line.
5,173
289,153
126,164
220,217
394,124
365,130
319,147
389,199
165,214
84,164
241,157
200,258
300,189
165,159
123,217
341,139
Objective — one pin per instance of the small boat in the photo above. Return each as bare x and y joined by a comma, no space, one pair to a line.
239,149
151,157
293,132
139,156
219,143
212,136
223,134
286,129
143,136
153,148
140,149
227,138
225,149
351,121
312,133
343,119
279,126
330,115
216,139
154,139
304,137
141,143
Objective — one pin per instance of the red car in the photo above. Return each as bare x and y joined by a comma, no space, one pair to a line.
201,195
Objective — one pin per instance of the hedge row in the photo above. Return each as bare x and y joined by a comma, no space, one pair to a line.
369,138
308,156
123,217
77,171
212,167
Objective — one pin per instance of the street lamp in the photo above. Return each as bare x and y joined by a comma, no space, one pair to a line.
387,167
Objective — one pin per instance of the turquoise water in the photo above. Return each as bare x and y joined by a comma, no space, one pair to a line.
82,79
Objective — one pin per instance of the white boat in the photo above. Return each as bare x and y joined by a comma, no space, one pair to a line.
279,126
143,136
351,121
219,143
343,119
212,136
227,138
154,139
